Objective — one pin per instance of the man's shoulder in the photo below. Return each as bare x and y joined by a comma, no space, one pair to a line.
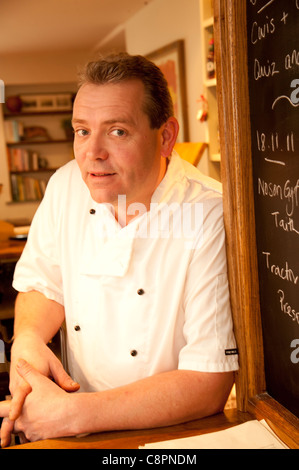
198,187
68,169
66,176
66,183
200,180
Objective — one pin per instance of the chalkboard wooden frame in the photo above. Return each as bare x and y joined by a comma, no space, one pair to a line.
236,172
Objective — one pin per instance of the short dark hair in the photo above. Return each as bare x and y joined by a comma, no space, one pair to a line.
116,68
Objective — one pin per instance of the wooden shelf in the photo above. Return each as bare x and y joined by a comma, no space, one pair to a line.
35,113
39,170
38,142
208,23
215,157
210,82
28,201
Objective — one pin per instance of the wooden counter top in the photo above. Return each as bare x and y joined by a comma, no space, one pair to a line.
136,438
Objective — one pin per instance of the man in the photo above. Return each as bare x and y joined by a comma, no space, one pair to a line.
113,252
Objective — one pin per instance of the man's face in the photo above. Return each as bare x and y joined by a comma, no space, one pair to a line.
117,151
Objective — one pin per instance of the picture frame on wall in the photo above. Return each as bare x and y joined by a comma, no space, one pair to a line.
171,60
46,102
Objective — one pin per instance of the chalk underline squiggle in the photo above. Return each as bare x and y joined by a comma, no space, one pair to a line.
287,98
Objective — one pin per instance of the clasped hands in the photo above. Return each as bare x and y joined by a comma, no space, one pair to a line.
35,410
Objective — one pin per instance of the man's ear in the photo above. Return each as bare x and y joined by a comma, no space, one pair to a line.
169,135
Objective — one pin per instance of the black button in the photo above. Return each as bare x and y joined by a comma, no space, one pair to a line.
134,352
77,328
92,211
140,292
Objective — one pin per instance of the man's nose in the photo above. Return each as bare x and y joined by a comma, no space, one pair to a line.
96,148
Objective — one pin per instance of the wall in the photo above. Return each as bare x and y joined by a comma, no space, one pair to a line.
50,67
163,22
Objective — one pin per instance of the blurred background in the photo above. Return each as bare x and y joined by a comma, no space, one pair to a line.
43,44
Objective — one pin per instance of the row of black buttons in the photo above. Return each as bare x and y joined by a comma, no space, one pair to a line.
139,292
133,352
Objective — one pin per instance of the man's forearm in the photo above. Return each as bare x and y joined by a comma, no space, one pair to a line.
162,400
35,314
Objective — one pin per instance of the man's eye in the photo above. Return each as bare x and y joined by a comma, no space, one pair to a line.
81,132
118,132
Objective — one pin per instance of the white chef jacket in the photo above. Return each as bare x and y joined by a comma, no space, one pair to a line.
141,299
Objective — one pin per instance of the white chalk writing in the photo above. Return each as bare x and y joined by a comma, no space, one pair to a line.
288,193
285,273
264,70
286,308
287,224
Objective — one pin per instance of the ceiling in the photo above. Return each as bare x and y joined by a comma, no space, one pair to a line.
28,26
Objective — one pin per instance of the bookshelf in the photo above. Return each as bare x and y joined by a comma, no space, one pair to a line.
37,142
209,76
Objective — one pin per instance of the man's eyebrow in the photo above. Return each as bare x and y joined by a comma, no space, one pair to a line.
121,120
78,121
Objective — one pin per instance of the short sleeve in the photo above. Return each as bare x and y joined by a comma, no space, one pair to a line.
39,266
208,328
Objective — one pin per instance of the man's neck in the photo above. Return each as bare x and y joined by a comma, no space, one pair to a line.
126,213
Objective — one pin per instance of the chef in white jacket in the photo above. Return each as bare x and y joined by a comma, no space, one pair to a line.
128,249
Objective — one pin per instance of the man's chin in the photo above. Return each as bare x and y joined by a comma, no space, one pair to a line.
102,198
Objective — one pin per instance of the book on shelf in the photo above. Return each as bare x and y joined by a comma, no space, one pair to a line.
13,130
27,188
20,159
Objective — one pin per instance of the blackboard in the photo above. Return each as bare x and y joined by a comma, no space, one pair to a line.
273,74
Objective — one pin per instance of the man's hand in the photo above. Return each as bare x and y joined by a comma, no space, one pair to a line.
42,359
42,412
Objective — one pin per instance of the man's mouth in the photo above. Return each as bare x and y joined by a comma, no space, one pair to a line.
102,174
